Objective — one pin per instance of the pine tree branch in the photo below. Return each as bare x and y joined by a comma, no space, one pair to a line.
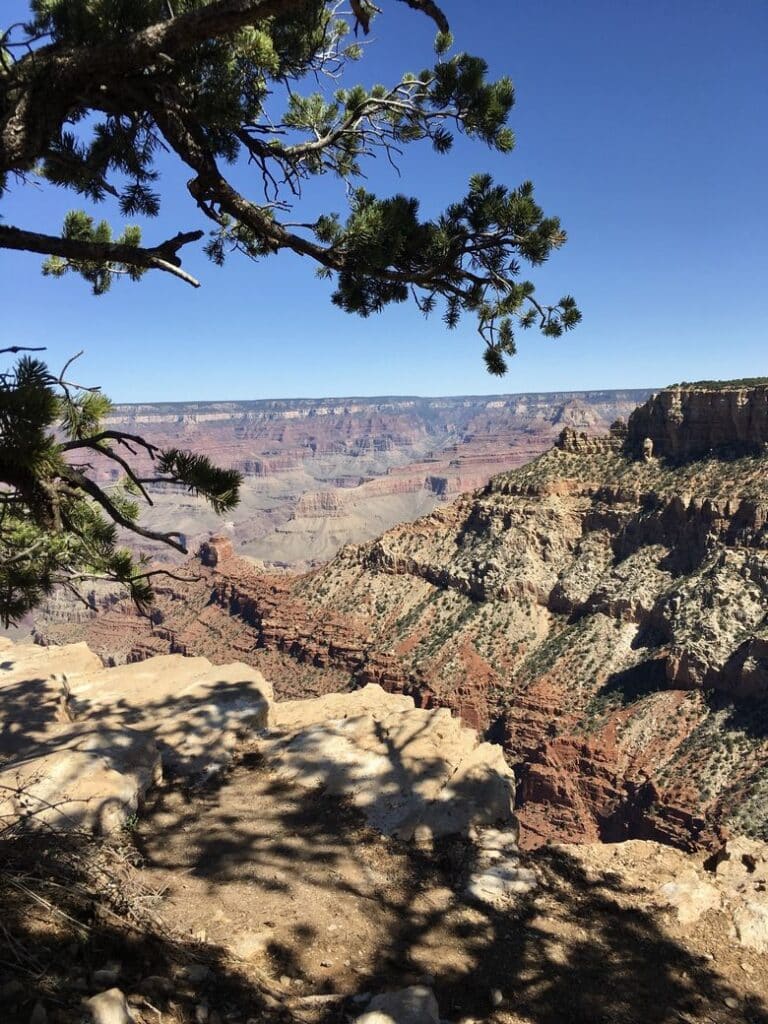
110,453
36,113
79,480
160,257
20,556
113,435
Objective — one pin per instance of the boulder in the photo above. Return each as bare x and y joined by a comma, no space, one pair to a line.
410,770
194,710
109,1007
88,777
690,896
750,921
82,744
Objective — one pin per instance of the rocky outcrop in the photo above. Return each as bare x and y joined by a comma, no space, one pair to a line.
85,743
577,442
414,773
689,420
215,550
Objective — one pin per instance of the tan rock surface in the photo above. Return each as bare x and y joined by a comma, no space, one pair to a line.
405,768
82,744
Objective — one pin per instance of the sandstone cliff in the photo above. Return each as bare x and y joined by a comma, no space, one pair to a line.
689,420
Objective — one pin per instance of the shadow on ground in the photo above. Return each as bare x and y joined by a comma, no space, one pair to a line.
344,910
569,952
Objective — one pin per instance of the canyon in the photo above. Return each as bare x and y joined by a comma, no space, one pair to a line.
599,611
321,473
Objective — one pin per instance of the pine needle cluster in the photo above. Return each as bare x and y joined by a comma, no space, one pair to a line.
58,525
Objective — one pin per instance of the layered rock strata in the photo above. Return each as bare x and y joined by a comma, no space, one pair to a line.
688,420
602,614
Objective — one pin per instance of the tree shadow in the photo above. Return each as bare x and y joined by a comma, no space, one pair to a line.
583,947
637,681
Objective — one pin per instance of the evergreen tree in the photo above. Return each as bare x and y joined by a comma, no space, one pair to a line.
57,525
92,90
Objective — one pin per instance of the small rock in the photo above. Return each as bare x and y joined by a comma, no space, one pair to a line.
109,1007
248,945
751,924
326,963
38,1015
423,839
156,985
731,1003
497,998
413,1005
285,980
201,1013
107,976
748,968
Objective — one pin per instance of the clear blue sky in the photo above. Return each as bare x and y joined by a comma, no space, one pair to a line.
642,124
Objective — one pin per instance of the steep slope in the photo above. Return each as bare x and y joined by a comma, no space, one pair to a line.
600,611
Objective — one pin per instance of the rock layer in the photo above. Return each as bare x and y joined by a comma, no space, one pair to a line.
82,744
411,771
689,420
603,615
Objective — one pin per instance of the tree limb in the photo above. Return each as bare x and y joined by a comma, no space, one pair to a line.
161,257
78,479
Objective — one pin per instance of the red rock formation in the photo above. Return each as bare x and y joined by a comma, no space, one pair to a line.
603,617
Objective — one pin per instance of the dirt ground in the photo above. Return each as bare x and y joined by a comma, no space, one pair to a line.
219,897
299,886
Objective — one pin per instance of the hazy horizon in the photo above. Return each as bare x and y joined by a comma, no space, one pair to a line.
382,398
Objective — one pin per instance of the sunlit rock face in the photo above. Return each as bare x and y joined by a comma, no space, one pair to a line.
688,421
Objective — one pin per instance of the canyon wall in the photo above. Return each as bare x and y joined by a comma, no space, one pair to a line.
602,615
323,473
688,421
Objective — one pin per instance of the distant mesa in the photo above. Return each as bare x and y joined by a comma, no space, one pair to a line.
692,420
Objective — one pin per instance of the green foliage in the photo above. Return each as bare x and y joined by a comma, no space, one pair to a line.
80,227
93,91
722,385
57,525
237,89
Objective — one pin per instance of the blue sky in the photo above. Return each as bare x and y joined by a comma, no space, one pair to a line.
642,125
